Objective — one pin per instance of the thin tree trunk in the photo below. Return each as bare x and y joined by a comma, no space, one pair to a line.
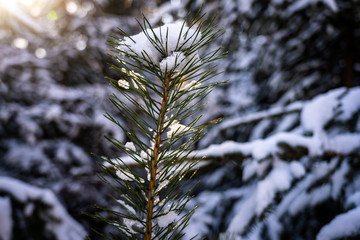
155,158
349,59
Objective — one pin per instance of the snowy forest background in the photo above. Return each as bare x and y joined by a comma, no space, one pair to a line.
283,164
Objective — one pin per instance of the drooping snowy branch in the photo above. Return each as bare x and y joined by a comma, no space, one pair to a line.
344,225
283,145
232,123
57,220
291,163
336,105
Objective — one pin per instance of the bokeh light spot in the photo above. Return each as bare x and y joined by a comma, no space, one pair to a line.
20,43
71,7
80,45
40,53
52,15
88,6
35,11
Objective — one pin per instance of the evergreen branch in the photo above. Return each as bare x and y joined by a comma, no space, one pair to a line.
153,109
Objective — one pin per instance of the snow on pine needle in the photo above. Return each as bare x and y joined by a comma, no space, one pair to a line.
169,39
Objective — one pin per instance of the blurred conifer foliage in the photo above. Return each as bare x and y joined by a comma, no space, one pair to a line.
286,153
52,98
284,110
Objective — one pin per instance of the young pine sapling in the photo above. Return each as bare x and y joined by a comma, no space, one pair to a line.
165,79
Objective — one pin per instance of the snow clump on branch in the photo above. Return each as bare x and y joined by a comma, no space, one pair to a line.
173,39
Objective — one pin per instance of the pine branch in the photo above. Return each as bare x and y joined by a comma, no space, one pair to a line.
157,104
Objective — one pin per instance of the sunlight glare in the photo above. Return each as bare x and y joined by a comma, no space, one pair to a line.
19,7
8,5
26,2
13,5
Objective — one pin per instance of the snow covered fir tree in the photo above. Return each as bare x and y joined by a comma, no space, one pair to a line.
283,164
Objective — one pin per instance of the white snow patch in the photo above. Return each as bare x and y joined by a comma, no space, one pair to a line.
125,176
215,177
302,4
24,157
130,146
249,170
177,36
320,194
227,147
263,167
350,104
191,85
173,62
203,216
252,117
297,169
259,129
295,199
344,143
63,226
244,6
245,60
54,112
304,199
279,179
353,199
6,223
129,223
123,83
298,203
338,179
261,148
299,197
168,218
320,110
342,226
177,128
243,215
320,169
275,227
127,207
287,122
